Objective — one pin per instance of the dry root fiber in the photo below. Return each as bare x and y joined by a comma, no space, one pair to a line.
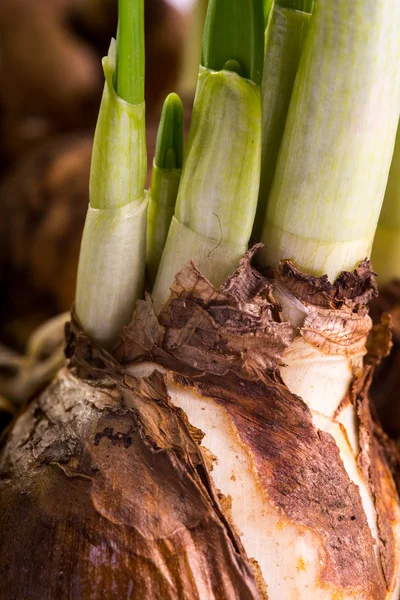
109,488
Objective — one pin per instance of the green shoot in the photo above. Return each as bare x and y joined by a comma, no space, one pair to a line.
386,248
284,40
129,72
169,147
218,192
113,251
165,181
338,140
228,29
267,9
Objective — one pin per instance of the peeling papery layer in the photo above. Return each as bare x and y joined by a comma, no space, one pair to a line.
113,249
318,522
333,328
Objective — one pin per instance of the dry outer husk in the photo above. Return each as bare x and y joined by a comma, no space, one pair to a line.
108,489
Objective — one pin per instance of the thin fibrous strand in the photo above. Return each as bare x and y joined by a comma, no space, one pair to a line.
334,159
228,29
129,72
284,40
386,248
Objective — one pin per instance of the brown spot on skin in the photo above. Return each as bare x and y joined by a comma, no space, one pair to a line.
282,523
301,565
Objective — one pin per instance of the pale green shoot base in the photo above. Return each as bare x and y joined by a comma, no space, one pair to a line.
284,40
113,250
164,188
339,137
220,179
218,191
111,270
314,256
216,260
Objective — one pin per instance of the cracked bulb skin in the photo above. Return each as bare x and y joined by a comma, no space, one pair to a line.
184,466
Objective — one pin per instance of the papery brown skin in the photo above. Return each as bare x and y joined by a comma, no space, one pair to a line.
115,491
192,337
105,494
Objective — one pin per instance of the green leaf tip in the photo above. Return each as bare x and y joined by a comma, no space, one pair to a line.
234,31
129,71
267,9
169,147
301,5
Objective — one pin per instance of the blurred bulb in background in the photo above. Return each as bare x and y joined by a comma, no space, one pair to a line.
183,5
